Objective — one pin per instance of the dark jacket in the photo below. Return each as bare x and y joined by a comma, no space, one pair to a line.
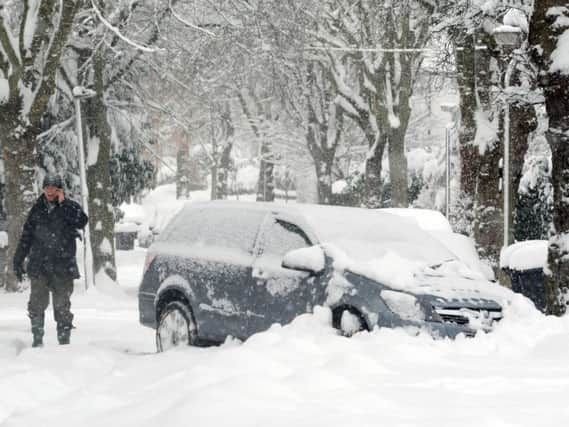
49,238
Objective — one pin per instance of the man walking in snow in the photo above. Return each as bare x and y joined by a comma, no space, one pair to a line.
49,238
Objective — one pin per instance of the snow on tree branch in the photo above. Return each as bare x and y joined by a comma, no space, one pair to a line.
118,33
187,23
28,25
7,40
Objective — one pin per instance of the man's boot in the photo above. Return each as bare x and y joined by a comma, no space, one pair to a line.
38,340
37,331
63,334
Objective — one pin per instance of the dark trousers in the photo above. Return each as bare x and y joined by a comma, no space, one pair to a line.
61,288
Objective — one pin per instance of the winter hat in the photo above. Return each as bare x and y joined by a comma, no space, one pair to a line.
52,179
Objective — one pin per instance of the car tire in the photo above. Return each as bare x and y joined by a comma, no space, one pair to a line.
348,321
176,327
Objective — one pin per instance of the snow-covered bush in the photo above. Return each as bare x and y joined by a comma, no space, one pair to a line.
533,219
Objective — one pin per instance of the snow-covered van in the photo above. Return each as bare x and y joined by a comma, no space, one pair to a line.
225,268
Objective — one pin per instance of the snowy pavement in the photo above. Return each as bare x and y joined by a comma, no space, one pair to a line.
302,374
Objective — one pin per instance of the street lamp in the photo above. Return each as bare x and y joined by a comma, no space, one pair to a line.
509,38
453,110
80,93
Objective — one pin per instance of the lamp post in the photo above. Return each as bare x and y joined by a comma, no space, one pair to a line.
509,38
80,93
453,110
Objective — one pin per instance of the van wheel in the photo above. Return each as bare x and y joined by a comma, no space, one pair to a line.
348,321
176,327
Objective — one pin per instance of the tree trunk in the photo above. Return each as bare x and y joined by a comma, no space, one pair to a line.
323,155
549,22
489,230
223,171
398,168
557,281
523,121
467,131
488,226
214,186
480,196
323,163
372,179
224,167
183,169
266,185
19,174
99,181
324,180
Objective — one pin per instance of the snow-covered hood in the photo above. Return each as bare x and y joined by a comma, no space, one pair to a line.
456,283
450,283
458,292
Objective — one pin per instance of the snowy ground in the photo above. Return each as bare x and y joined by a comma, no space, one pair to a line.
302,374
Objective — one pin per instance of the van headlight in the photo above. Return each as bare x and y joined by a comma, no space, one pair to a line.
407,306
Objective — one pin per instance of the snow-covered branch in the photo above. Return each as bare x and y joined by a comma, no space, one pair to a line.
7,40
186,22
338,75
37,103
28,26
118,33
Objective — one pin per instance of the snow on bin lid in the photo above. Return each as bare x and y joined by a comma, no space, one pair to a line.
525,255
133,213
126,227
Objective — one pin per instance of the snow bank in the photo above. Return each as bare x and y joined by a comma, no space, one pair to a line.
302,374
525,255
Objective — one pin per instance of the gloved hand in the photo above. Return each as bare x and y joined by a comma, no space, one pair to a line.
20,273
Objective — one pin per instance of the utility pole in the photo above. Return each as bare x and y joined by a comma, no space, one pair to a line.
80,93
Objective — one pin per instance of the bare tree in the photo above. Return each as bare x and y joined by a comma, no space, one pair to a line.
375,53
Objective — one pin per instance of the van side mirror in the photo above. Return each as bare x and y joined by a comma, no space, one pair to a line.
309,259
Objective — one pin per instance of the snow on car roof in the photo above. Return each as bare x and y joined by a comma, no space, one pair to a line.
349,227
427,219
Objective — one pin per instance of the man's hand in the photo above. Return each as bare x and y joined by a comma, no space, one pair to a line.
20,273
60,195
